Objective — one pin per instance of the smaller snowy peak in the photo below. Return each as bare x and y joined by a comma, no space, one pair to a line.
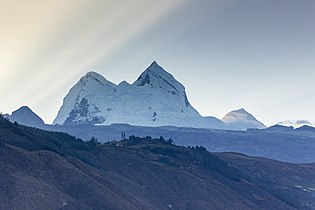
238,115
25,116
241,119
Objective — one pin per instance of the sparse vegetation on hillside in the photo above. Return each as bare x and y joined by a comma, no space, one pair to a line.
134,173
35,139
64,144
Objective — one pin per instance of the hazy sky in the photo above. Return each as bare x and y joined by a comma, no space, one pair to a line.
256,54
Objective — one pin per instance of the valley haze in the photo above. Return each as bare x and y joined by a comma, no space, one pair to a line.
156,105
276,142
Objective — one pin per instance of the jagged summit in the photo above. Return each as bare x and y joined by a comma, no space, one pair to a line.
156,67
157,77
242,119
93,77
156,98
154,64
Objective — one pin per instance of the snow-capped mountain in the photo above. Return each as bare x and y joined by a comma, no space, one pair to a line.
156,98
76,109
25,116
241,119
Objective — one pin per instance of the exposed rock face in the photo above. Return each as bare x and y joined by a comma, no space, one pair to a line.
78,107
83,113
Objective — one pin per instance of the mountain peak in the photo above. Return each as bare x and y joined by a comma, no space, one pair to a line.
239,114
92,74
25,116
154,63
242,111
155,68
95,77
91,83
23,109
157,77
242,119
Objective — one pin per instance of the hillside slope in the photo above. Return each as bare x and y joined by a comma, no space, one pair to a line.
50,170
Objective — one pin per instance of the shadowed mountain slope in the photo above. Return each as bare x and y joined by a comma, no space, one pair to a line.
50,170
25,116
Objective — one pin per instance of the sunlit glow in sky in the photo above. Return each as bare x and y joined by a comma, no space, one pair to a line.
229,54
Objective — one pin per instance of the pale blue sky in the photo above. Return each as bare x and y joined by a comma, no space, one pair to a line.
256,54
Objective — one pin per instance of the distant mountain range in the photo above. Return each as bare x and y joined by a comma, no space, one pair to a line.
156,98
278,142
